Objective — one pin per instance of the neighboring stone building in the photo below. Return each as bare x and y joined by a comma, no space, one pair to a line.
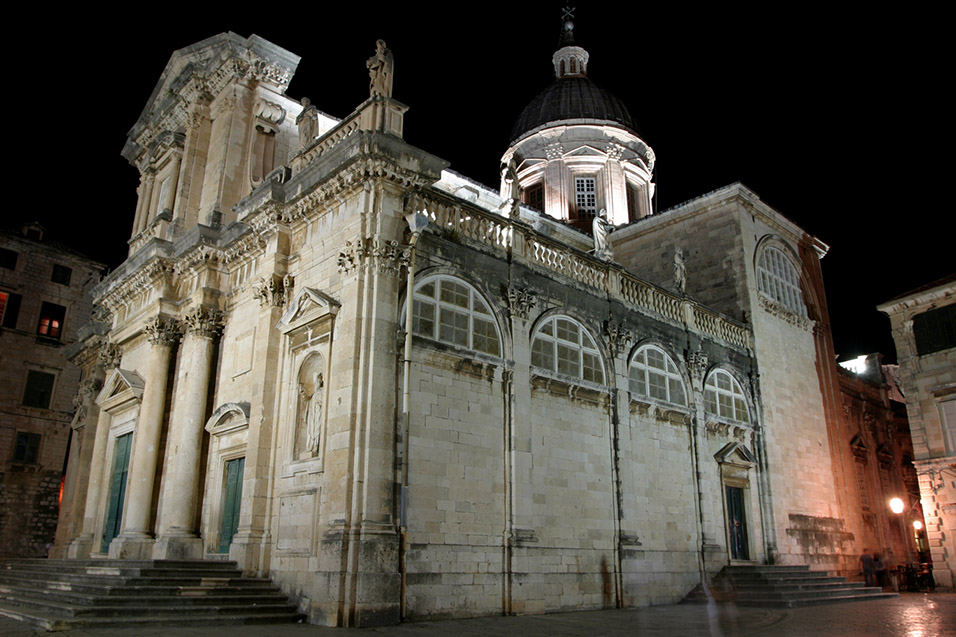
878,460
44,299
924,328
579,416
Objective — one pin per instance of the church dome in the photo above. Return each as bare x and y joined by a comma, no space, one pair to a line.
571,98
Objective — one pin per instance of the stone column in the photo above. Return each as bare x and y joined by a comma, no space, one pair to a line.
135,540
178,540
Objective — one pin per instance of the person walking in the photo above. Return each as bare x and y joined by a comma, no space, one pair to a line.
866,565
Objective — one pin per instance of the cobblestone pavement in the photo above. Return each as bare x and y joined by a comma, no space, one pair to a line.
910,615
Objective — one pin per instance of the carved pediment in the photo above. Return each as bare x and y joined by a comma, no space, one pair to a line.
120,387
737,454
858,447
228,417
311,309
586,151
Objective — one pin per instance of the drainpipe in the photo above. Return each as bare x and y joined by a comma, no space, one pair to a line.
416,224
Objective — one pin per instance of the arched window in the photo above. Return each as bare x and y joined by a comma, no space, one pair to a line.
451,311
724,398
778,279
562,346
654,375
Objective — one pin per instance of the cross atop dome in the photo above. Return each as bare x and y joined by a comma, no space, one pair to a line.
570,60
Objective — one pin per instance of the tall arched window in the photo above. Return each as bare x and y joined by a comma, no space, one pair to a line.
724,398
563,346
779,280
451,311
653,374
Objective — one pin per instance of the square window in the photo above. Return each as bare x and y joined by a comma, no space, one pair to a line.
27,447
61,274
51,320
39,390
8,259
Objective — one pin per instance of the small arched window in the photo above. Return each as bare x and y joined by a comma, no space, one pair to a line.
778,279
563,346
653,374
574,65
723,397
451,311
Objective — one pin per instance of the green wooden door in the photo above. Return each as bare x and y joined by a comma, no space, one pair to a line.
114,507
737,523
231,501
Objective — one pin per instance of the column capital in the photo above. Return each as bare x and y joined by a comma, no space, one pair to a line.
204,322
163,330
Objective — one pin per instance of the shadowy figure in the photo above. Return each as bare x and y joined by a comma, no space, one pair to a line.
866,566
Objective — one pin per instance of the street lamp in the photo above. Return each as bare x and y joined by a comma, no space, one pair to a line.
896,505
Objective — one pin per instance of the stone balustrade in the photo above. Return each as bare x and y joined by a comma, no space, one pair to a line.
494,231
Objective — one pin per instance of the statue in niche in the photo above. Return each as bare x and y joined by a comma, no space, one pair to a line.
309,411
308,123
380,68
601,228
680,271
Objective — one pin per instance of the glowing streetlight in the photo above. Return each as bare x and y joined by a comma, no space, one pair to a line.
896,505
917,525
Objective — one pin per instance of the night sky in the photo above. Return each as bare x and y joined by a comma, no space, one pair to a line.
834,119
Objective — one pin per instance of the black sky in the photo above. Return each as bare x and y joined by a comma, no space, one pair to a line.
837,119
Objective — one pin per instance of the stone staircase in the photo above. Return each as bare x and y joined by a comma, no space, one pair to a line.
66,594
785,587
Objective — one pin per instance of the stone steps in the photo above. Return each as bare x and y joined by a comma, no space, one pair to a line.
64,594
784,587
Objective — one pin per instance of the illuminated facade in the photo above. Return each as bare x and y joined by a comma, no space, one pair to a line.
924,328
583,415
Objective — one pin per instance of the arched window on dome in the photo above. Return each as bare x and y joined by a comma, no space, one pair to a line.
561,66
574,65
451,311
779,280
561,345
724,398
653,374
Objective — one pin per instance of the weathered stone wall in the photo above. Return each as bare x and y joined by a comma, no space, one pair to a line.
29,503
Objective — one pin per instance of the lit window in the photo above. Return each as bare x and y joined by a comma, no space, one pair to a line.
27,447
9,309
778,279
561,345
51,320
585,197
451,311
654,375
61,274
723,397
39,389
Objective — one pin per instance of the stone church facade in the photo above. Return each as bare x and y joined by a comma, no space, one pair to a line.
590,405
